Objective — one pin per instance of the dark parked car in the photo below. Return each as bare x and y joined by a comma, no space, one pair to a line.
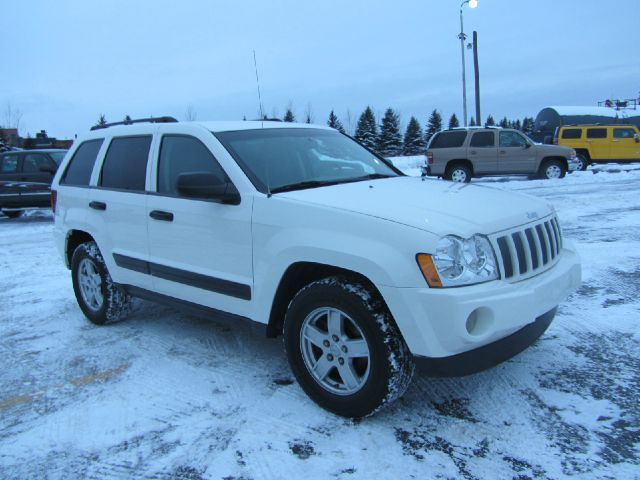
25,179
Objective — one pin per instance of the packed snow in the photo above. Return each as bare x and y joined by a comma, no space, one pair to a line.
169,395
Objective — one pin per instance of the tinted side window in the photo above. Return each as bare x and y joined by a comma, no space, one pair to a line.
483,139
449,139
182,154
623,132
596,133
125,164
9,163
572,133
512,139
81,165
34,161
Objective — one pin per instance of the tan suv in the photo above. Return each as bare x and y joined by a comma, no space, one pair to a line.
461,153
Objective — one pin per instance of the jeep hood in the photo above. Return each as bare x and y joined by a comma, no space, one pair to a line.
436,206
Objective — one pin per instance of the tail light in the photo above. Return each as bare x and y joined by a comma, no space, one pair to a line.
54,198
430,158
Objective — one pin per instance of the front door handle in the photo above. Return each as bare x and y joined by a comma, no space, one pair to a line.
502,151
98,205
160,215
473,152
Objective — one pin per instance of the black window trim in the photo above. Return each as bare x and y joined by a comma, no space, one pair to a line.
104,159
156,160
63,177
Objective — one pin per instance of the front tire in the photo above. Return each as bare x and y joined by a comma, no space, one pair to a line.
552,169
458,173
100,299
344,348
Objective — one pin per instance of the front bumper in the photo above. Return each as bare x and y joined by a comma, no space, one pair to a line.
444,322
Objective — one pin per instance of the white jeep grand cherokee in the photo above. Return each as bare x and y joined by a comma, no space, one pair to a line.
365,271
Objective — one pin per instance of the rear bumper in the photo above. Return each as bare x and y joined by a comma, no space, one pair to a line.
488,356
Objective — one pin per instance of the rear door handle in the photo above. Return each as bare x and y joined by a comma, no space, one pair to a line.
98,205
160,215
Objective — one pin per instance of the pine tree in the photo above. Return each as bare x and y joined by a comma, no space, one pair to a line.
334,122
102,121
390,139
366,130
472,122
434,125
516,124
453,121
413,141
127,119
289,116
528,125
504,123
490,121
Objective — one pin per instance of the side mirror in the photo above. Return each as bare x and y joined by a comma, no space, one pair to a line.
635,137
527,145
207,186
47,169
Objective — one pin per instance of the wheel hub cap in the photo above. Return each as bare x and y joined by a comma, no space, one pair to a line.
342,367
90,283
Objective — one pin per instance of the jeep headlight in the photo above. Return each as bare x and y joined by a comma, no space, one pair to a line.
459,261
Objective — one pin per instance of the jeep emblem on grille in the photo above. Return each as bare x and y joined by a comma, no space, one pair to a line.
532,215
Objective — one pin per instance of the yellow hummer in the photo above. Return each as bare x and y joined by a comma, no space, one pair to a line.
600,143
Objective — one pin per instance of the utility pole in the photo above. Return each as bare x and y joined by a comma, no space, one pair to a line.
477,73
462,37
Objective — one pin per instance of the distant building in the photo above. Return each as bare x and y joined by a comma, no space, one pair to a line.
11,138
550,118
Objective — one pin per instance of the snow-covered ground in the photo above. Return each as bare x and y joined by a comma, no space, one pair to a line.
170,395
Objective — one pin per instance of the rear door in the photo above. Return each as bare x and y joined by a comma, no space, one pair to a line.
37,172
9,179
483,152
515,154
624,145
117,209
599,142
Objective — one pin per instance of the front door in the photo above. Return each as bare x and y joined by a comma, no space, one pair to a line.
199,250
515,154
624,145
599,142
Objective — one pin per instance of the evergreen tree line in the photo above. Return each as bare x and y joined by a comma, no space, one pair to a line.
386,138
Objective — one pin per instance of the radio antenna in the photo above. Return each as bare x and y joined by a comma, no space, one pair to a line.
255,64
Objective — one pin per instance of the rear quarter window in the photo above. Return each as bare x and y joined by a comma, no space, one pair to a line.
80,166
572,133
448,139
125,164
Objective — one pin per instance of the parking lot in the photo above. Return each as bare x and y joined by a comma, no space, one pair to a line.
170,395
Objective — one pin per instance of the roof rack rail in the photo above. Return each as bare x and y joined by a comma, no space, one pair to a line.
266,120
164,119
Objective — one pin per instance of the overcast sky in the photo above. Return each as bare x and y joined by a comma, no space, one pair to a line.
66,62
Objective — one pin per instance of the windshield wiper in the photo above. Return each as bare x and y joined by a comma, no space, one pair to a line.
326,183
303,185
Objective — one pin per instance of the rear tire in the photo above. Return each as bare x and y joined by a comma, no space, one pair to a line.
458,173
100,299
13,213
344,348
551,169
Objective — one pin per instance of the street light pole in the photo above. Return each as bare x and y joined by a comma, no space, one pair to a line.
462,37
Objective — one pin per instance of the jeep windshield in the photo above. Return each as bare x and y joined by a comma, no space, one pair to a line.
284,159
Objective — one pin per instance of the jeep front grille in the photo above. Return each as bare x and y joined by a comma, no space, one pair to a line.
523,253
